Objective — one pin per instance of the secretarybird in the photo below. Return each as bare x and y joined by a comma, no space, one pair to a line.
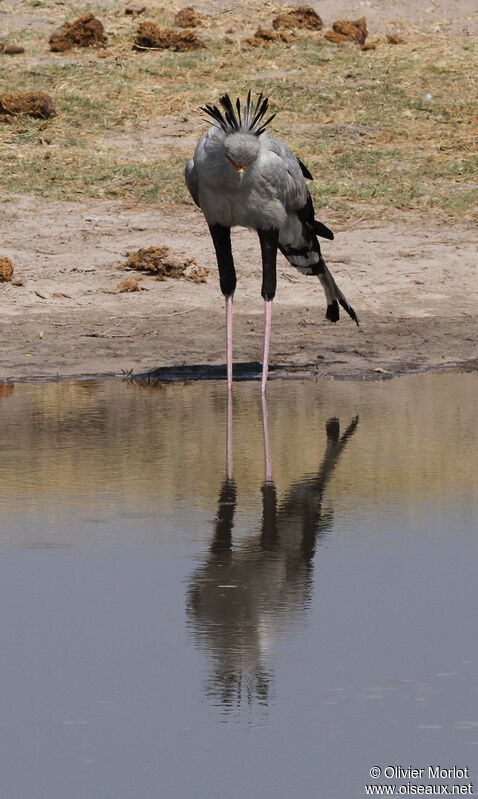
241,175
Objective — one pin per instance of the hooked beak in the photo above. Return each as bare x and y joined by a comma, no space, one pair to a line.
237,167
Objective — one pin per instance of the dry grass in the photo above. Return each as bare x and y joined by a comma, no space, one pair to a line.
393,128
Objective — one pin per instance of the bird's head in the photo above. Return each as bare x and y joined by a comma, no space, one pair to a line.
243,126
241,150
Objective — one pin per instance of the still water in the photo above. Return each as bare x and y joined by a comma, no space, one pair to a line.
253,605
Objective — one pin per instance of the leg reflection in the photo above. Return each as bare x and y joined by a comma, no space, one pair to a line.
267,446
222,539
269,532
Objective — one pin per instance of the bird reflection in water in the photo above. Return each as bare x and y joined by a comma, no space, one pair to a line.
241,601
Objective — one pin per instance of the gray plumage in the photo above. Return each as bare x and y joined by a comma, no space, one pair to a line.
241,175
266,195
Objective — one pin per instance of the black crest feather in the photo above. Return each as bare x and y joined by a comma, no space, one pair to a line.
230,119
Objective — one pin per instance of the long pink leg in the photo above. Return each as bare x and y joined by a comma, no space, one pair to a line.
267,445
229,342
267,338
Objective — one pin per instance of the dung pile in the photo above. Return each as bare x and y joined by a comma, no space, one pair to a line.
344,30
6,270
188,18
264,37
128,285
33,104
394,38
300,17
163,262
150,37
86,31
11,49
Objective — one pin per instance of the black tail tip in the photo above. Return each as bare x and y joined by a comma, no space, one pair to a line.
350,311
333,313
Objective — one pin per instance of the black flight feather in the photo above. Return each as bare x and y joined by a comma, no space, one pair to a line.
305,171
322,230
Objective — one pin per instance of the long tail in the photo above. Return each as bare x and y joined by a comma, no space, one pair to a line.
301,247
333,295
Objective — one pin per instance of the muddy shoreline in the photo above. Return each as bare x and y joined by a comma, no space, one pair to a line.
217,372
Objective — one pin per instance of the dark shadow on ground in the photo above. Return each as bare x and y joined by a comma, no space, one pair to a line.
248,370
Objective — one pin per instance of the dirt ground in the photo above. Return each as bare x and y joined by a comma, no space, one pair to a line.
448,15
413,283
412,280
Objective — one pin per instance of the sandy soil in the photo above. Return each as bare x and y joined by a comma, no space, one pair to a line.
447,16
413,283
381,15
